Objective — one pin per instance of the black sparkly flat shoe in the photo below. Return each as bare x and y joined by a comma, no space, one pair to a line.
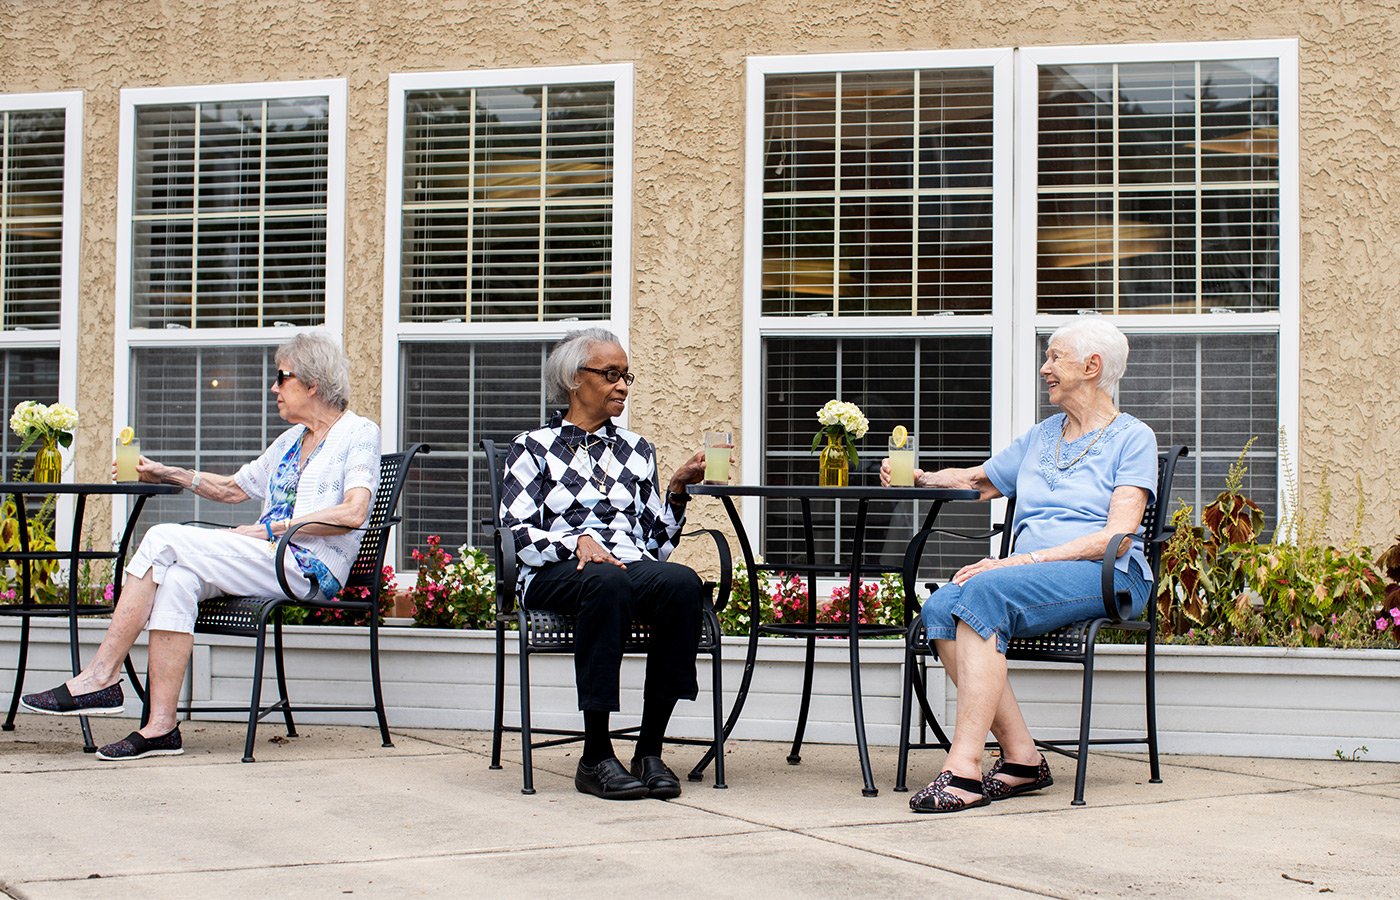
936,798
138,746
59,702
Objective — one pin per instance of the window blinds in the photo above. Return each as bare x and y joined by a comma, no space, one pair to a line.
1159,187
230,214
507,212
31,217
877,193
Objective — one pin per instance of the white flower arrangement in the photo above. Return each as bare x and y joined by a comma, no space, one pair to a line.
34,421
844,420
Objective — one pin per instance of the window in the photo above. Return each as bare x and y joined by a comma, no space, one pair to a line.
885,179
231,215
1165,195
40,178
1154,184
508,205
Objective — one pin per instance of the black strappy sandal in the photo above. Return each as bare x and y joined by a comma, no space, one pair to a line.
936,798
996,789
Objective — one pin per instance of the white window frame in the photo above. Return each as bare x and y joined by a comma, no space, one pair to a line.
1014,322
65,336
397,332
1283,323
756,326
128,339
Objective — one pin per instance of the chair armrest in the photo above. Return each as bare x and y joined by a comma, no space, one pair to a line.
1117,605
503,545
915,549
726,564
286,539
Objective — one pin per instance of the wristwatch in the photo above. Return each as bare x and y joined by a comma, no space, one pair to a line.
194,480
679,499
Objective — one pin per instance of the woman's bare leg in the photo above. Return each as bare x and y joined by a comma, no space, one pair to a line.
128,621
986,704
170,654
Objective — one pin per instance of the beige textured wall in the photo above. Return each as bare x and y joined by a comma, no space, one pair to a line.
689,168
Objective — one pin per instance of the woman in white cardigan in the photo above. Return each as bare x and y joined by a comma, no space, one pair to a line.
325,469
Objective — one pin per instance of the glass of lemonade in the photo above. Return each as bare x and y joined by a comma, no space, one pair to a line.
128,455
718,447
903,456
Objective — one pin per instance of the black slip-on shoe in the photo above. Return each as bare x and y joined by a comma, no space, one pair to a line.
138,746
661,782
59,702
609,780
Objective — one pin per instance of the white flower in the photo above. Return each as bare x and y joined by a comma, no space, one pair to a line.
847,415
61,418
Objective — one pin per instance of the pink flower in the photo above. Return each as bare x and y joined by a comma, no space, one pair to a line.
1395,614
106,593
1382,624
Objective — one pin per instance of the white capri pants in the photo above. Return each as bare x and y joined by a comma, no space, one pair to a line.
191,564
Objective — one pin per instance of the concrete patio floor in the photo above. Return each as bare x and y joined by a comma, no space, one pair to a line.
331,813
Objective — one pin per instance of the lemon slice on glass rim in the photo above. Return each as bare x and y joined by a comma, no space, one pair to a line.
126,435
899,435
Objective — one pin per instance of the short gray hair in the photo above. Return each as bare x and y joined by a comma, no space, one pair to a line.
320,362
570,355
1088,335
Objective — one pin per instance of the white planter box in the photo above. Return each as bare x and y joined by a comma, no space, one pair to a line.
1212,700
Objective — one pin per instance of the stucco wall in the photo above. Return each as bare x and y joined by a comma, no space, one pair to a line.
689,167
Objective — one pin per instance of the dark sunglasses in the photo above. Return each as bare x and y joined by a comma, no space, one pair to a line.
283,376
612,376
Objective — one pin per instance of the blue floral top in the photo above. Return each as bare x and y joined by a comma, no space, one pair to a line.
282,500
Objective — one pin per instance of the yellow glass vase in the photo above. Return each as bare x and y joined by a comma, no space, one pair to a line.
836,465
48,463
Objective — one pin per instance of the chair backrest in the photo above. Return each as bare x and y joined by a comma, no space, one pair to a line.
393,470
1155,517
503,547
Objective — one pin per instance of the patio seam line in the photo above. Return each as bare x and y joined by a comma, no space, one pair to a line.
459,854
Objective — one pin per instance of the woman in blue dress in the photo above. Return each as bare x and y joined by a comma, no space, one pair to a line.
1079,478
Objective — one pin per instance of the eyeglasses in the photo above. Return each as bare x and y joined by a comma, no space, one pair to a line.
283,376
612,376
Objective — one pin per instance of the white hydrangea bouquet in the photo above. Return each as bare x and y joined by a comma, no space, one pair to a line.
35,422
846,422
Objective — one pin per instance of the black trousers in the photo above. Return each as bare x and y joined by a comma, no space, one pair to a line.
605,600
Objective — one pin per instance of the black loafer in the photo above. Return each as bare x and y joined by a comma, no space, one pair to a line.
661,782
608,780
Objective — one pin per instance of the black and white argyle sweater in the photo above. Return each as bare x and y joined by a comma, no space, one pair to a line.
562,482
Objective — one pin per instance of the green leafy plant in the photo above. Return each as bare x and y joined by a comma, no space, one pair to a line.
1221,585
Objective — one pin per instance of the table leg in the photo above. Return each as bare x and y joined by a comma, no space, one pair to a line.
755,608
857,705
19,672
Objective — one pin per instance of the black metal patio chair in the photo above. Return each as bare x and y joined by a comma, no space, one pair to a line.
540,631
249,616
1072,645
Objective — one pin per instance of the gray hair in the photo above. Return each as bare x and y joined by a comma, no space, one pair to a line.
1088,335
318,361
570,355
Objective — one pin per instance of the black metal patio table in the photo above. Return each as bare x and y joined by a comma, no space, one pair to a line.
853,568
74,556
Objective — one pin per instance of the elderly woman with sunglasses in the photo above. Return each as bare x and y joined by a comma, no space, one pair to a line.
325,469
592,534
